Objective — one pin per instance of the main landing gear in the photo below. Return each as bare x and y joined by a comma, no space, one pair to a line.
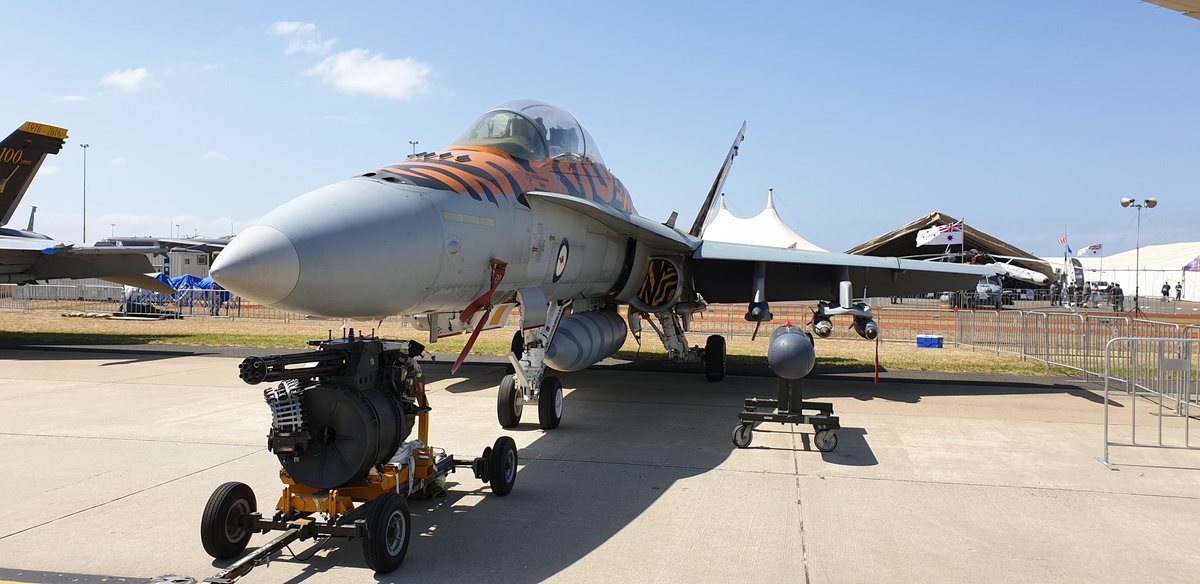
671,331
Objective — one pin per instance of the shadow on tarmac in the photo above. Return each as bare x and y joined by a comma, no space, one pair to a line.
579,485
913,389
622,444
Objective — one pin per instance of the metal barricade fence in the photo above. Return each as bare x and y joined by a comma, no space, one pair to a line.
1163,376
111,299
1100,329
1191,331
1065,340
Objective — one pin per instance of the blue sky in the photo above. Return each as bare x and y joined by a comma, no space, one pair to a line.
1023,117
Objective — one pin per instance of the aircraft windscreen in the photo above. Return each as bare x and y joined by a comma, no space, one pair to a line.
533,130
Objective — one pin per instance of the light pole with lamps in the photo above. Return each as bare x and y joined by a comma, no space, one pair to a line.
1149,203
414,145
85,147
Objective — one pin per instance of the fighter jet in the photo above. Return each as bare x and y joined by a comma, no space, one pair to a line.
522,209
1005,264
27,256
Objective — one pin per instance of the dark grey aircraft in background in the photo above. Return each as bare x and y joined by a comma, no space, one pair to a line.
27,256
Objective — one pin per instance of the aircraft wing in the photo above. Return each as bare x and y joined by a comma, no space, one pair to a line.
30,260
1187,7
724,273
206,246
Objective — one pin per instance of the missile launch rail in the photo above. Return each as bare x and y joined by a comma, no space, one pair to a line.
789,408
381,518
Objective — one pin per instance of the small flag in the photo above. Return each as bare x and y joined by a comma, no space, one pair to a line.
1069,252
1091,250
941,234
1062,240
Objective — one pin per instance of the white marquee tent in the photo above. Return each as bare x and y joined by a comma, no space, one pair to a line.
1171,263
766,228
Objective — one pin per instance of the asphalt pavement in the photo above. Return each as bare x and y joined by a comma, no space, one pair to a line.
110,455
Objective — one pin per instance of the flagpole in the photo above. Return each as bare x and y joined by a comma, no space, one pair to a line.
962,242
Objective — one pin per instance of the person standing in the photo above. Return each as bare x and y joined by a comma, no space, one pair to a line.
1118,298
1166,291
1178,291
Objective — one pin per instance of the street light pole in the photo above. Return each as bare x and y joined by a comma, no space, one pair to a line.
1149,203
85,147
414,145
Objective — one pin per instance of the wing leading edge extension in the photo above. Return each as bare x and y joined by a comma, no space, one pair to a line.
724,271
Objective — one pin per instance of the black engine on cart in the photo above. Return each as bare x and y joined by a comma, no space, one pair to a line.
340,410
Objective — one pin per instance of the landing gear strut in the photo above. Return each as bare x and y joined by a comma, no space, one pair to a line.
527,360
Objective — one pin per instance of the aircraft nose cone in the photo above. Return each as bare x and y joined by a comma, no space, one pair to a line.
261,264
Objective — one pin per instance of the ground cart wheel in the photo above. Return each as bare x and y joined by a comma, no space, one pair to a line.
714,358
742,435
825,440
385,539
223,530
502,465
550,403
509,402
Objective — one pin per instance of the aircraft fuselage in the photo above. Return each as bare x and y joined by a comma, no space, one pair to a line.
419,236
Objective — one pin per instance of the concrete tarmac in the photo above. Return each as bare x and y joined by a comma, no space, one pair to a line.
107,460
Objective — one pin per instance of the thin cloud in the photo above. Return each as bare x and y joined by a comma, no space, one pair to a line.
118,161
304,38
48,170
286,27
129,80
71,98
357,71
214,156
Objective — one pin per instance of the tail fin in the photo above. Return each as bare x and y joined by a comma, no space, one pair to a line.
711,201
21,155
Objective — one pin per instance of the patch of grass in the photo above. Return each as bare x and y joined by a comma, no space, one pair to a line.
833,355
196,339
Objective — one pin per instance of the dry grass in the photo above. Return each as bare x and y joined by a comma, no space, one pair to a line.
52,327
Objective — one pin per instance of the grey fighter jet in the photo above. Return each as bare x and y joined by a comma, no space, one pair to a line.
521,209
27,256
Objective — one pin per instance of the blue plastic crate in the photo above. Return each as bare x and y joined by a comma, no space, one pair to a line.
929,341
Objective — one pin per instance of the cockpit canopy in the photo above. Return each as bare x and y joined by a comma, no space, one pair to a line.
533,130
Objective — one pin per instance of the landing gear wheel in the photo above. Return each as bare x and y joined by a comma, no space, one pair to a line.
742,435
502,465
825,440
222,527
714,358
385,540
550,403
509,402
517,347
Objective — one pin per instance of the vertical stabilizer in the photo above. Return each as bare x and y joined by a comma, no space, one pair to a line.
711,202
21,155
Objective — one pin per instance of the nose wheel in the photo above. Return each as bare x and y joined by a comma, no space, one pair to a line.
509,403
